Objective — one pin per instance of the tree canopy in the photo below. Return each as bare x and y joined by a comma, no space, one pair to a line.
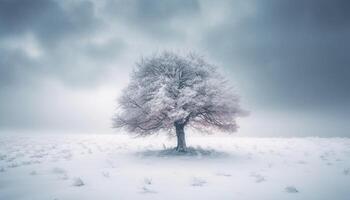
168,89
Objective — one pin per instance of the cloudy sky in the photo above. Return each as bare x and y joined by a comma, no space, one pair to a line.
63,63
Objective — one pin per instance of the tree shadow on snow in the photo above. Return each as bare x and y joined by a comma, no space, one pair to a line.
191,152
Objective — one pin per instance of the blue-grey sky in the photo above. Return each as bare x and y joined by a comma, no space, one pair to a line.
63,63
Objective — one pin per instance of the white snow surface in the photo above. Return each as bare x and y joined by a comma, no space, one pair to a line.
91,167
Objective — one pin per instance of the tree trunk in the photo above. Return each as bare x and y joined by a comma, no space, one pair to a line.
180,134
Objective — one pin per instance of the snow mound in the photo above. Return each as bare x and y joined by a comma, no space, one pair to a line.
198,182
77,182
190,152
58,170
291,189
146,190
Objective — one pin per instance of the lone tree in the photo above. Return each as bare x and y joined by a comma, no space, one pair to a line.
169,91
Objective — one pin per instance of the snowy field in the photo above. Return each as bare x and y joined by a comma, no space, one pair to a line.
86,167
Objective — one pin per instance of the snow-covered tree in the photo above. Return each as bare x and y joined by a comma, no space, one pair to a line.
169,92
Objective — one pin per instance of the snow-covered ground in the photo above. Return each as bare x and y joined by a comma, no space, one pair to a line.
118,167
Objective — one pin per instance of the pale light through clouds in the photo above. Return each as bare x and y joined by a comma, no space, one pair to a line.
63,63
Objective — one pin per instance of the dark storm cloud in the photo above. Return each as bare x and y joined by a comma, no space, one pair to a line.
287,57
47,19
11,66
63,35
154,17
293,54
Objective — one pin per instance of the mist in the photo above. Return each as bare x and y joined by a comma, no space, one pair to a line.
63,64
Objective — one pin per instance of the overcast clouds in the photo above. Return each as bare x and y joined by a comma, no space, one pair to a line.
62,63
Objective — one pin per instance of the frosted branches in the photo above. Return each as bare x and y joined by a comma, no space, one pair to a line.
169,88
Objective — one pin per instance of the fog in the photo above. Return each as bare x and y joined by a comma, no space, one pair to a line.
64,63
